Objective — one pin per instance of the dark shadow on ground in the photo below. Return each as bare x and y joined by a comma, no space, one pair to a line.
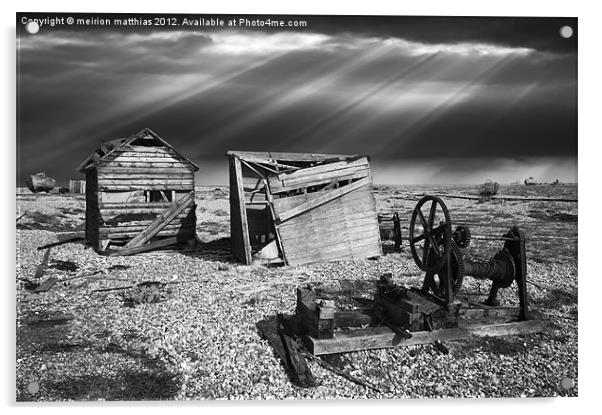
507,346
47,337
215,250
558,297
150,383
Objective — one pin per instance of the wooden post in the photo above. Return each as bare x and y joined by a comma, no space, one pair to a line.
239,228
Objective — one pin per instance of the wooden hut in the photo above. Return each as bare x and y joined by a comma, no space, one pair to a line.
301,208
139,195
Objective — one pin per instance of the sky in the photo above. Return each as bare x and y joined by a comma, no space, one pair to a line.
430,99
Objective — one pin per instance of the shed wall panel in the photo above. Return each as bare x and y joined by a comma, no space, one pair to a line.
344,228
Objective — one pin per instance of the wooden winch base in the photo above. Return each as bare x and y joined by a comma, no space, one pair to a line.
410,320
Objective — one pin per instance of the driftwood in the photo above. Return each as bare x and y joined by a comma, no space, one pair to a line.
41,269
46,285
343,374
277,334
66,241
127,287
146,247
297,364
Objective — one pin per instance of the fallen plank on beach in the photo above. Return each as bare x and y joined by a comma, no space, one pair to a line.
343,374
41,269
66,241
46,285
297,364
275,333
146,247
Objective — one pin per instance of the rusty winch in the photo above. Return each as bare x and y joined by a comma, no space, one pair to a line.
439,250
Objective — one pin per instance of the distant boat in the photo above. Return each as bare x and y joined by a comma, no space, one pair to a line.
39,182
489,188
530,181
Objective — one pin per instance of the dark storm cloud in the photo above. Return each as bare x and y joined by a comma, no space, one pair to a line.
403,89
539,33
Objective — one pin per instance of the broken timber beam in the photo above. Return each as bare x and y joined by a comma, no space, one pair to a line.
297,364
146,247
383,337
162,220
41,269
322,199
65,241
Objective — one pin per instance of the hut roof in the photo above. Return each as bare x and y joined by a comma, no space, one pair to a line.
270,157
146,136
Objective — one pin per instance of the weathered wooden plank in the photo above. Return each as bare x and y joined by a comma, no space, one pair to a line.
147,149
175,224
156,152
150,157
317,231
338,174
301,373
239,229
382,337
320,200
131,187
368,250
75,238
138,210
46,285
279,187
324,220
132,164
350,245
320,174
252,183
164,232
281,156
285,203
105,170
143,176
139,228
135,205
322,168
137,158
146,247
162,220
41,269
143,216
146,181
256,198
260,165
333,239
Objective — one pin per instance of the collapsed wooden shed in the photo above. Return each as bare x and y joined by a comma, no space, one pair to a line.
139,195
299,208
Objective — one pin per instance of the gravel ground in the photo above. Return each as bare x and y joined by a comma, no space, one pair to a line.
198,339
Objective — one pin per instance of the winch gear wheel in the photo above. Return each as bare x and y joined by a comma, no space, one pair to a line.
462,236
